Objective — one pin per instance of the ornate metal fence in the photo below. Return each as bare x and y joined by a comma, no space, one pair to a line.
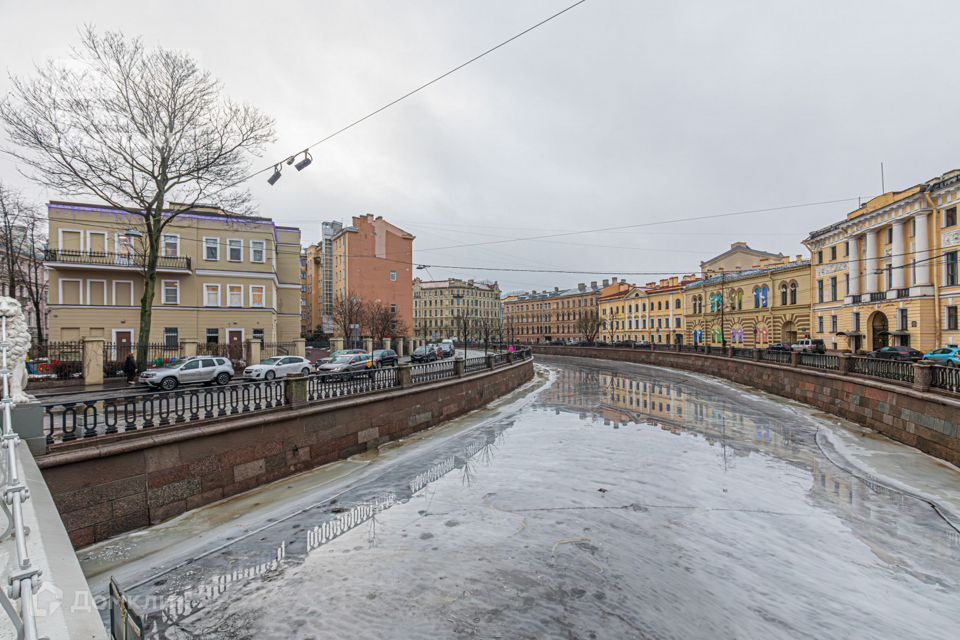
820,361
48,361
780,357
946,378
478,363
333,386
743,353
888,369
433,371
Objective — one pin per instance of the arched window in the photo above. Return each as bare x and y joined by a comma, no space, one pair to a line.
756,297
793,292
763,296
713,302
676,303
783,293
739,299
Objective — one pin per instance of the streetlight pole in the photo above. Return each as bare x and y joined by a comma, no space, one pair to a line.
723,305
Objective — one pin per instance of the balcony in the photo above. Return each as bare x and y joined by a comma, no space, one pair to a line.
903,293
878,296
74,259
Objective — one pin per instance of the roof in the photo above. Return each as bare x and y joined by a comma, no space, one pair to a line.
742,247
197,211
444,284
551,295
748,273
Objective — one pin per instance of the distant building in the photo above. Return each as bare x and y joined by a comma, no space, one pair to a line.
655,312
373,259
738,257
544,316
318,308
611,304
437,305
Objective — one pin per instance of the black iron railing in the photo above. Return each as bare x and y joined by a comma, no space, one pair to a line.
946,378
903,293
739,352
48,361
888,369
331,386
820,361
107,259
878,296
433,371
780,357
478,363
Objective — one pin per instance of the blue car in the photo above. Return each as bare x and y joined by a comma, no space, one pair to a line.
948,356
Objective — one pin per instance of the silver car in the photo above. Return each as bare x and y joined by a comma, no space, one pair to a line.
203,369
278,367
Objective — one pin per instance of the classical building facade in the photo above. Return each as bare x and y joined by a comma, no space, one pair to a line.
739,257
373,259
318,281
222,278
753,308
658,311
438,305
545,316
888,272
612,306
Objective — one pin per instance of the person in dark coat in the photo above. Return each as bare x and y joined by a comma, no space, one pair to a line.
130,368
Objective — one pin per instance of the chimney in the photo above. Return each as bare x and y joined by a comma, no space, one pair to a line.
593,284
606,282
581,287
613,280
556,289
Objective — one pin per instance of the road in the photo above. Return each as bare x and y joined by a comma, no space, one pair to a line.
605,500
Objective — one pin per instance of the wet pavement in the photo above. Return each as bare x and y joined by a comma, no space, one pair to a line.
607,500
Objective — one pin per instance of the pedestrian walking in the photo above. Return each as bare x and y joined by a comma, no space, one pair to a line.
130,368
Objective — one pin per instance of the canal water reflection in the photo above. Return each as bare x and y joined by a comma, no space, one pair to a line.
619,502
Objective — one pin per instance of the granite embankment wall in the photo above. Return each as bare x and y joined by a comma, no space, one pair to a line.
133,480
926,420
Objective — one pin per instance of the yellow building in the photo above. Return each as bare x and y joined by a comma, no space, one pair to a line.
222,278
439,304
611,305
888,272
657,311
750,309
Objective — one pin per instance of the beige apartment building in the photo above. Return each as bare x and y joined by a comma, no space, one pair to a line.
222,278
437,305
888,272
544,316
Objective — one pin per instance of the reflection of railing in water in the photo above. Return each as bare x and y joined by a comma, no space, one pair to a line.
323,533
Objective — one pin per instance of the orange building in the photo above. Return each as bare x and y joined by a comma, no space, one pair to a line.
373,259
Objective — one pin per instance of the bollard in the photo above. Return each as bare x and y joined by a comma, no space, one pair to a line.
405,376
93,360
922,376
295,390
459,366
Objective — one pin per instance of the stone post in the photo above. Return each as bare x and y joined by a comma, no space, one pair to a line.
843,363
251,350
491,361
459,366
794,358
730,352
922,376
386,343
299,347
405,375
756,354
295,390
188,348
336,344
368,344
27,421
410,346
399,347
93,360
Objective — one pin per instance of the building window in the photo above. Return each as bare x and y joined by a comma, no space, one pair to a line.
213,336
950,217
171,292
833,288
393,276
856,321
833,324
764,296
889,270
235,250
889,235
846,249
820,257
393,308
819,290
171,337
211,295
258,295
211,249
783,294
951,319
819,324
258,335
902,323
951,264
257,251
234,295
833,252
171,245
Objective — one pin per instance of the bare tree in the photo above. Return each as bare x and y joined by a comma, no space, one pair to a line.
348,310
465,322
22,239
378,321
138,129
489,328
589,324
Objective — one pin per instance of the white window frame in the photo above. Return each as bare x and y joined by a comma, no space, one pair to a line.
163,291
219,295
163,244
106,297
239,287
263,291
239,242
114,291
106,243
79,282
60,233
217,259
263,251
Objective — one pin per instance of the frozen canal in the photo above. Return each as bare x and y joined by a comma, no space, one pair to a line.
606,501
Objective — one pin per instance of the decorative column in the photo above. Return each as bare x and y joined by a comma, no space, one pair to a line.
870,264
898,257
336,344
922,250
853,266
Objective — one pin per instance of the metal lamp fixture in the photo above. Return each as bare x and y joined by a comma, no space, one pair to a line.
276,175
132,233
303,164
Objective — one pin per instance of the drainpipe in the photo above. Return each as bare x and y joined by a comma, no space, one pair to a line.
934,213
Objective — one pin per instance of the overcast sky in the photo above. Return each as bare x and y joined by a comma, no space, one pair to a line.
617,113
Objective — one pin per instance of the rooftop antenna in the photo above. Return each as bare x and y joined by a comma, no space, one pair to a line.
883,186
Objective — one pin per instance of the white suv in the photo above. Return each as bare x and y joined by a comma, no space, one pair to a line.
205,369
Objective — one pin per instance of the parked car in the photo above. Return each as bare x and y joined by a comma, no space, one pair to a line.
196,369
809,345
780,346
347,366
278,367
447,349
385,358
426,353
903,354
334,355
947,356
